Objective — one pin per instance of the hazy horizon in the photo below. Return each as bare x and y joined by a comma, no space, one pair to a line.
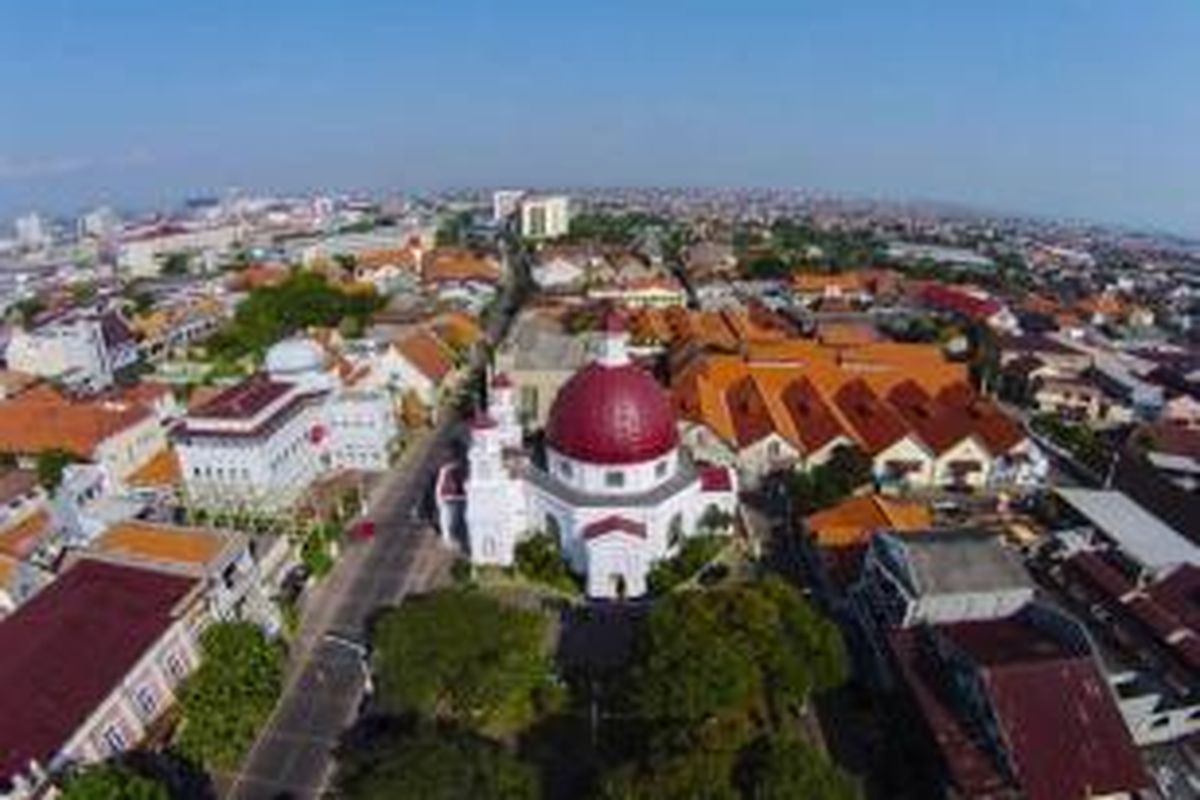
1048,109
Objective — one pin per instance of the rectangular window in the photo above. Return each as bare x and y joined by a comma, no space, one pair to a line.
614,478
564,467
660,468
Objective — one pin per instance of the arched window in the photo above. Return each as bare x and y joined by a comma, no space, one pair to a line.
675,531
554,529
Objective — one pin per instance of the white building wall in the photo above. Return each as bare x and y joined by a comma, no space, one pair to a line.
968,450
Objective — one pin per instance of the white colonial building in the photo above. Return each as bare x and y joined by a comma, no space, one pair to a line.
263,442
613,486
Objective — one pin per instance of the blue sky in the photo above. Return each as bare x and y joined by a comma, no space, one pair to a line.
1069,107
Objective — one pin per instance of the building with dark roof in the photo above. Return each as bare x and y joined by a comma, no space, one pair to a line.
1017,707
89,664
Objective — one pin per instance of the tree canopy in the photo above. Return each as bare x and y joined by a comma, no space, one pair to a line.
228,698
50,466
270,313
462,655
823,486
112,781
435,764
782,767
734,652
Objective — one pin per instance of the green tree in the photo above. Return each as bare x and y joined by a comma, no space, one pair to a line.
694,553
226,701
732,653
432,764
111,781
271,313
50,466
463,656
696,774
538,558
783,767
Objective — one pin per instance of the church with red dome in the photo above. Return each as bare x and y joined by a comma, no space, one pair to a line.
612,484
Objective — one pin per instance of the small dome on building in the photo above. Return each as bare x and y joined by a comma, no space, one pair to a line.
293,357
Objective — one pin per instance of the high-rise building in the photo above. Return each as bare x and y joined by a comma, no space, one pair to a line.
99,223
545,217
505,203
31,232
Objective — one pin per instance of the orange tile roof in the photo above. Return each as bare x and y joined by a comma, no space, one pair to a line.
22,539
846,334
458,264
457,329
41,419
8,570
161,471
426,353
164,543
851,522
806,392
815,282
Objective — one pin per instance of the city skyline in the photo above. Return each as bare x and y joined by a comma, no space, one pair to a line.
1060,111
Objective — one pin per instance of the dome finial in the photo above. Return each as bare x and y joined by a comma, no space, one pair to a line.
612,350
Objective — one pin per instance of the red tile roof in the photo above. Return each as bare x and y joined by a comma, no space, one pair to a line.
70,646
748,408
614,524
939,426
714,478
243,401
815,422
877,426
949,298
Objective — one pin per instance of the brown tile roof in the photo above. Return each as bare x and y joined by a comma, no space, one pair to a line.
457,264
938,425
16,483
161,471
876,426
244,400
163,543
427,354
814,421
41,419
748,408
23,538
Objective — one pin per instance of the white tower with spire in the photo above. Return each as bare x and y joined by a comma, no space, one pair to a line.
495,510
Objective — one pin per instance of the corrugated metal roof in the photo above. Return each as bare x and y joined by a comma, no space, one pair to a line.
1143,536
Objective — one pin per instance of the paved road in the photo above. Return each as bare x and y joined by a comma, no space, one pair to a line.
293,755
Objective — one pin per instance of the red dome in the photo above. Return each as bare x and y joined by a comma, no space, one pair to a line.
612,415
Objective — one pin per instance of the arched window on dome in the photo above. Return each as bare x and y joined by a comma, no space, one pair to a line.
614,479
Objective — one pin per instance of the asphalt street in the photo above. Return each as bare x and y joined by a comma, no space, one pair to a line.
293,756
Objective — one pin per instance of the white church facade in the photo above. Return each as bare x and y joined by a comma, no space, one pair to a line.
613,486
